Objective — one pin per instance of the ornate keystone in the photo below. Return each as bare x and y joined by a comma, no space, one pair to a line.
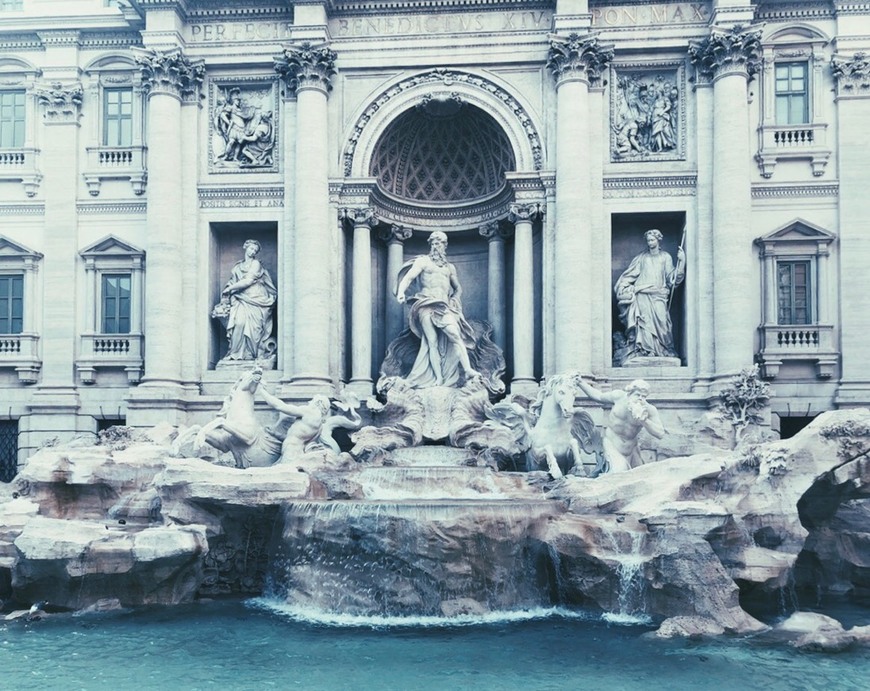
62,102
851,74
170,72
307,66
525,212
737,50
360,216
395,234
578,57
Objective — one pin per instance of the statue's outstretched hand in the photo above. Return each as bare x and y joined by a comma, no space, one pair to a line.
401,298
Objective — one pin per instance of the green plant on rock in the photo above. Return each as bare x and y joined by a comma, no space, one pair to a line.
744,399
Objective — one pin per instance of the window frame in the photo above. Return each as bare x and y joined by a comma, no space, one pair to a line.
809,287
119,118
790,94
17,125
116,317
7,303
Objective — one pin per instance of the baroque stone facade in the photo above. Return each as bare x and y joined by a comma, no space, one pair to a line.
143,142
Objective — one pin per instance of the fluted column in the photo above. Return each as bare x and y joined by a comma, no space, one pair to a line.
496,284
729,58
395,237
522,216
168,76
363,221
575,61
852,74
307,69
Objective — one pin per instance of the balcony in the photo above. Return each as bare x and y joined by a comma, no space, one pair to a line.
19,165
810,342
793,142
110,351
116,163
21,352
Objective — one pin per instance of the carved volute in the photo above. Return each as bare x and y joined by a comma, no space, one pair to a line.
736,50
170,72
307,66
578,57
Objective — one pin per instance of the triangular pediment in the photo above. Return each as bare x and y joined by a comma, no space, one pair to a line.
797,230
10,249
112,246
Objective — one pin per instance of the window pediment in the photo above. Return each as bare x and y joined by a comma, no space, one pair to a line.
797,235
11,251
111,246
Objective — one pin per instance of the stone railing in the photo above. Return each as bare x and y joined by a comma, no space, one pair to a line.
20,165
21,353
810,342
792,142
115,162
110,351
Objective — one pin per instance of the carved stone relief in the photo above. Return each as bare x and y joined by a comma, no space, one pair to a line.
648,114
243,126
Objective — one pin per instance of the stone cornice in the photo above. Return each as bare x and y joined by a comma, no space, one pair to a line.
852,75
808,9
411,6
650,186
846,7
60,37
111,208
169,72
253,192
727,51
181,6
578,56
794,191
20,41
307,66
110,39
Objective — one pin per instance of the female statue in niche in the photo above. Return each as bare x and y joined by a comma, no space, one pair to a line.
643,293
246,305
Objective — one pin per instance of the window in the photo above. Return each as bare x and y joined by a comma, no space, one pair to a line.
11,119
792,93
11,5
116,303
11,304
118,117
793,292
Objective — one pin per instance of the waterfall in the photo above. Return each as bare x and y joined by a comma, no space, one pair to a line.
631,592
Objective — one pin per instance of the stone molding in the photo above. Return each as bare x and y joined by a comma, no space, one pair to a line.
808,9
794,191
650,186
578,57
22,209
111,208
219,197
727,51
307,66
852,75
110,39
60,37
62,102
20,41
169,72
450,79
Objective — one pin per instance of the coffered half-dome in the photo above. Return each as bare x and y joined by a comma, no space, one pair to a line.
442,151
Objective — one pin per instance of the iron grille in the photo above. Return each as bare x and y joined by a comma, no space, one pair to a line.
8,450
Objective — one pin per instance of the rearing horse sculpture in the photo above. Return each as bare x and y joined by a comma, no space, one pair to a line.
552,432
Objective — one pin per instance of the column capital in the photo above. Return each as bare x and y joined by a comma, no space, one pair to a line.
169,72
395,234
578,57
852,75
526,212
727,51
62,102
307,66
359,216
493,231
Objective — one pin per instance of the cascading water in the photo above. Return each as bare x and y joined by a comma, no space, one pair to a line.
631,605
412,548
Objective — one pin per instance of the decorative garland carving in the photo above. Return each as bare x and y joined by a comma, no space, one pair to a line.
170,72
307,66
851,74
447,77
62,103
578,57
735,50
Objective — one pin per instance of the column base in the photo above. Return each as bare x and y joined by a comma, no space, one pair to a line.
54,418
155,402
525,387
307,387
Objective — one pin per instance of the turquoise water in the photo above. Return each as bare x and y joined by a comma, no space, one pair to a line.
252,645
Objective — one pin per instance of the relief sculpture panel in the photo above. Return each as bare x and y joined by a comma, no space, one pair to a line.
243,126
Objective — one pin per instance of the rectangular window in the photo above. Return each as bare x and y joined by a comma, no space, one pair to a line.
793,292
116,303
118,117
11,304
11,119
792,93
11,5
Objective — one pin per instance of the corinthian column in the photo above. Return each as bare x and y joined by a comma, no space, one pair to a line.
361,299
522,215
576,61
729,58
852,73
168,77
495,294
395,238
307,69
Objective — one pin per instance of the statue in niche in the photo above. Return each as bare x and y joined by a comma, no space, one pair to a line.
643,293
646,116
440,348
630,413
245,310
246,137
298,430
